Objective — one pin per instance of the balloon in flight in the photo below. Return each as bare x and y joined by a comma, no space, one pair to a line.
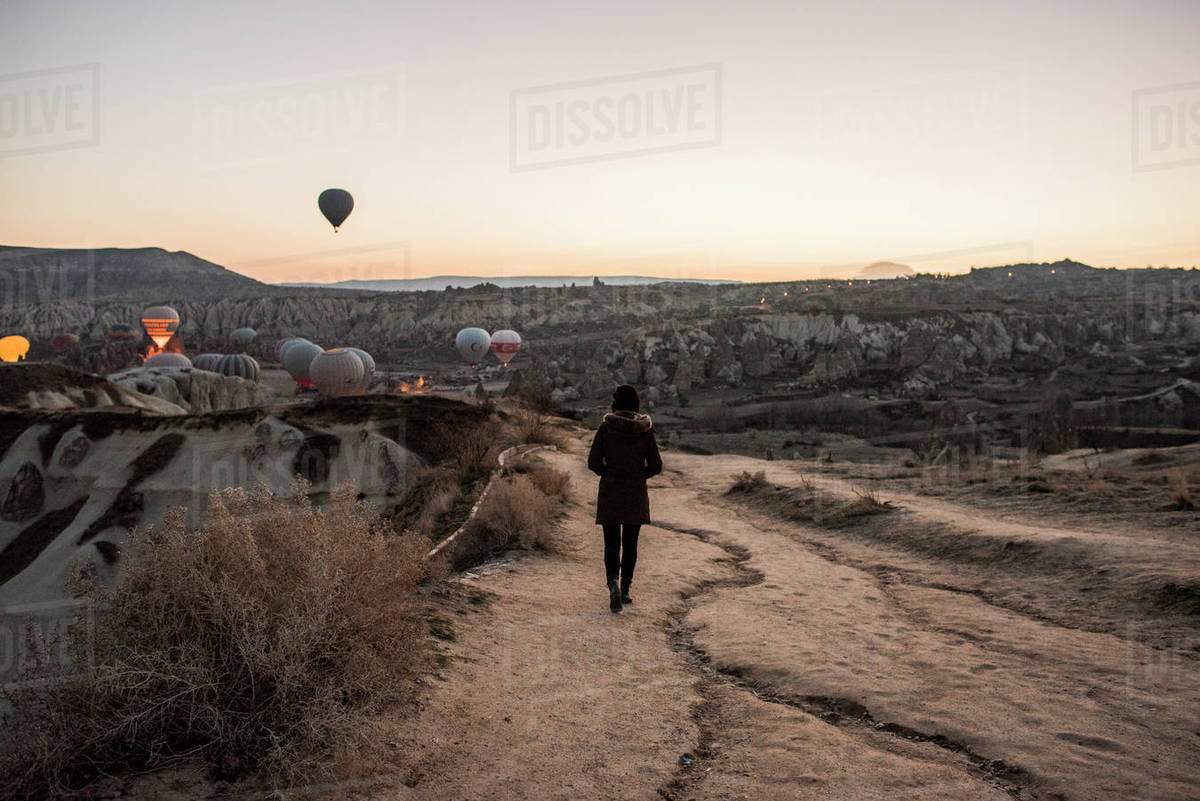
161,323
336,205
505,344
473,344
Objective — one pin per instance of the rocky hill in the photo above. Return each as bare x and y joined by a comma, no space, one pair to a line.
920,336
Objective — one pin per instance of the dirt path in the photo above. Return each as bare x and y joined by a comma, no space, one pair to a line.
783,667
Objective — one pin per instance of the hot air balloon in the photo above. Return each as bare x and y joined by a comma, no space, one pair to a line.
207,361
239,365
337,372
13,348
241,337
473,344
161,323
290,343
62,342
279,343
167,360
368,366
336,205
505,344
297,357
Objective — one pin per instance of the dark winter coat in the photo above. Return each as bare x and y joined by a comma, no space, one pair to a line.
624,454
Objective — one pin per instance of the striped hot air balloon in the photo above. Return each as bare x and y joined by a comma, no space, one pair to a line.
161,323
240,365
337,372
168,360
207,361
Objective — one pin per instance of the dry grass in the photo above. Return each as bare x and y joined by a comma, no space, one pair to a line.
265,640
520,511
531,427
472,449
805,502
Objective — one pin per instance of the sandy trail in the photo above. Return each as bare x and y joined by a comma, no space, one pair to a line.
786,671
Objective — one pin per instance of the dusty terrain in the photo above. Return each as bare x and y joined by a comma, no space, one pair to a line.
765,658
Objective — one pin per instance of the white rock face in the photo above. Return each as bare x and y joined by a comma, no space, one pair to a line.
192,390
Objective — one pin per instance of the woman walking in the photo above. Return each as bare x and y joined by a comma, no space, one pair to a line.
624,454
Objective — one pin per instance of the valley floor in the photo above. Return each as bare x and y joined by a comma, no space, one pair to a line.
766,659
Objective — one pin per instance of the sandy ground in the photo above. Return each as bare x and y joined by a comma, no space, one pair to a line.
767,659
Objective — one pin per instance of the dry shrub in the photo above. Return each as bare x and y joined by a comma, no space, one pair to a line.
554,483
531,427
1181,496
515,513
472,449
749,482
265,640
432,494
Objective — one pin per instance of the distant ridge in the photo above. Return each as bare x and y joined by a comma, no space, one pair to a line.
440,282
886,269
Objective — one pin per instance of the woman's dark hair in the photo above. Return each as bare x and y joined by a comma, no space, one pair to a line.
625,399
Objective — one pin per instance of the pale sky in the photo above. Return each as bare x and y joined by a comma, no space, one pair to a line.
941,134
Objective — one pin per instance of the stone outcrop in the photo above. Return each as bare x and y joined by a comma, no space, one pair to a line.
195,391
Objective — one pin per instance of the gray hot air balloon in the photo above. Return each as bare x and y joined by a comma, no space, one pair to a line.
473,344
297,356
368,366
336,205
207,361
337,372
168,360
242,337
239,365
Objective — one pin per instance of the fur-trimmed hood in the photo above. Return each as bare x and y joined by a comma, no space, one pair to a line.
628,422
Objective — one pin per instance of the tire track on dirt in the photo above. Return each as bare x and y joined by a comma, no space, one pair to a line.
842,712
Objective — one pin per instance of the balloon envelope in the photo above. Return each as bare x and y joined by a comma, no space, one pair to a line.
161,323
337,372
289,344
168,360
472,344
368,366
13,348
243,336
505,344
63,342
336,205
298,356
240,365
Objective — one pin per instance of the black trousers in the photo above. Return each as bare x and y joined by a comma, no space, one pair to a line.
620,551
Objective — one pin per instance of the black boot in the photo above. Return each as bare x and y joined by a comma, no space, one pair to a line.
614,596
625,599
